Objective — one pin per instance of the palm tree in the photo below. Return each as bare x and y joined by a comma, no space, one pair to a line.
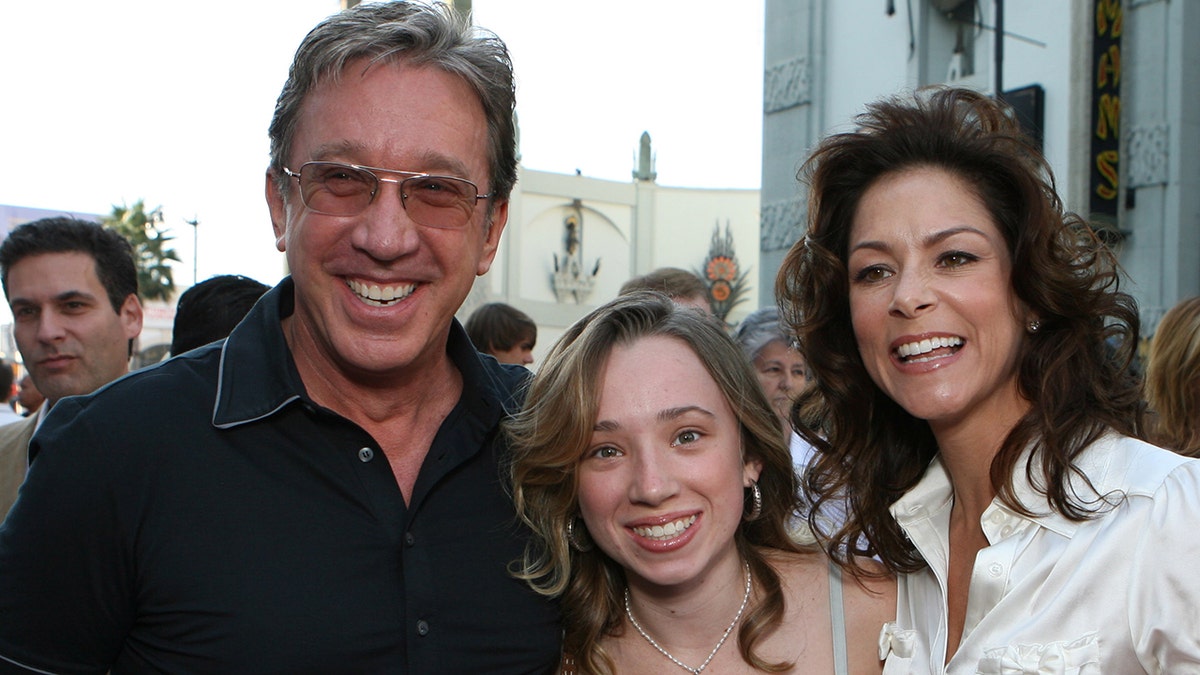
150,253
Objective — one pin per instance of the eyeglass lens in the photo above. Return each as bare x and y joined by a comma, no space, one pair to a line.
338,189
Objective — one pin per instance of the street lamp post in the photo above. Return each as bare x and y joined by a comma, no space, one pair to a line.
195,223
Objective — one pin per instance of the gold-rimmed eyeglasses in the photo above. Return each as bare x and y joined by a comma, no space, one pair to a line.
337,189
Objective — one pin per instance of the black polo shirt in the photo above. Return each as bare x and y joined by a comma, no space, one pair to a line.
204,515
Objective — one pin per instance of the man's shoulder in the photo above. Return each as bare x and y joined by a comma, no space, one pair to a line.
14,444
176,386
13,433
508,381
14,458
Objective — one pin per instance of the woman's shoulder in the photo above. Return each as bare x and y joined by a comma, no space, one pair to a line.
873,588
811,572
835,606
1116,463
797,566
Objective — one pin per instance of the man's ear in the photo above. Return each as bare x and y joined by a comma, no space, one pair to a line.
492,237
278,210
131,316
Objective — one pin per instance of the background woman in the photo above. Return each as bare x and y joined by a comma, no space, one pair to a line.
778,365
1173,379
652,471
981,431
781,371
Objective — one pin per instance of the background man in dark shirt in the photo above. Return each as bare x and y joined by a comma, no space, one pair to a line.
208,311
321,492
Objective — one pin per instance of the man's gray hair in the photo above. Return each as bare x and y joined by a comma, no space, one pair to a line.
421,34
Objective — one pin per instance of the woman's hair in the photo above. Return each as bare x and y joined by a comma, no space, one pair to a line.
1075,370
1173,379
550,435
500,327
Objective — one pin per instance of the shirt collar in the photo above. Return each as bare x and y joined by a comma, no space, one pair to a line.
933,494
1099,484
258,377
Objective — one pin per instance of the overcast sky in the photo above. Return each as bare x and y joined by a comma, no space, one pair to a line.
107,102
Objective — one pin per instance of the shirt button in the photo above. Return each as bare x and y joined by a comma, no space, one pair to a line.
422,628
996,569
1006,530
366,454
409,539
997,517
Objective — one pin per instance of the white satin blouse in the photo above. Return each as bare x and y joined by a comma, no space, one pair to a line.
1116,594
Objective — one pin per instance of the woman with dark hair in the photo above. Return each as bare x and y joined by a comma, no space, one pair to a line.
971,415
650,467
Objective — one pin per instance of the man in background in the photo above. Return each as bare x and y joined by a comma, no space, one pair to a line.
324,492
503,331
28,396
677,284
208,311
8,392
72,289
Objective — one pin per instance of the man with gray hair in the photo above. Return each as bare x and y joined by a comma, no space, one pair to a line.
322,492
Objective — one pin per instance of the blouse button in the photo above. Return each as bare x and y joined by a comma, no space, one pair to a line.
366,454
996,569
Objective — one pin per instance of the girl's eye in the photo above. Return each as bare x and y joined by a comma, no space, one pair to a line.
686,437
605,452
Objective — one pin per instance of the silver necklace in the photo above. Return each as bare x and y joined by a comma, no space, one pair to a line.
700,668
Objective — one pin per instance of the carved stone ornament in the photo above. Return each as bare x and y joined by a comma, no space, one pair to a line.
782,224
1148,152
787,85
569,280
